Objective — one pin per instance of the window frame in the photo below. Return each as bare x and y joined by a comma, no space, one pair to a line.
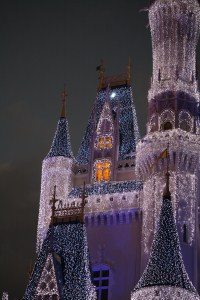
103,170
99,287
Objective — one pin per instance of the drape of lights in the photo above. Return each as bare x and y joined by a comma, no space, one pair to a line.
5,296
128,126
183,163
175,27
61,145
66,249
109,196
47,285
165,276
183,188
56,171
164,293
105,115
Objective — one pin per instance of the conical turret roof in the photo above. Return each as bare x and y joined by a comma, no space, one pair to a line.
62,267
61,145
165,267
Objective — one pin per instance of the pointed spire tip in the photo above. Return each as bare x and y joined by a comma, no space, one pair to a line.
63,107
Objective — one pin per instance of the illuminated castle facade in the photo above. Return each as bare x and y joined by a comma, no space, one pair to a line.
106,163
173,122
123,191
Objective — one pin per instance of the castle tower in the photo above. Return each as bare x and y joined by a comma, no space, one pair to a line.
62,271
165,276
56,171
106,162
172,122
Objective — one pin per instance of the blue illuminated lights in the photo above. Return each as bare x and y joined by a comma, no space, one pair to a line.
61,145
67,243
128,127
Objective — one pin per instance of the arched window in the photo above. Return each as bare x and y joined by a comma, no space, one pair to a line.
167,120
185,121
102,170
101,277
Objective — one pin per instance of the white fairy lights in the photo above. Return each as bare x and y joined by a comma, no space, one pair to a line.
5,296
56,171
62,268
175,31
47,285
165,276
183,162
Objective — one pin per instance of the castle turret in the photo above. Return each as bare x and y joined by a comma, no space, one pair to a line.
172,122
165,276
61,271
56,171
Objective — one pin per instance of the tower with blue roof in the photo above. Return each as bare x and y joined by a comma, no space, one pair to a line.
106,163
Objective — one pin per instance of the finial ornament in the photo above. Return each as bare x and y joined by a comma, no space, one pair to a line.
101,78
64,99
129,72
53,207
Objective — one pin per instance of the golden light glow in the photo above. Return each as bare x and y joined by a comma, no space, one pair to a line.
104,142
103,171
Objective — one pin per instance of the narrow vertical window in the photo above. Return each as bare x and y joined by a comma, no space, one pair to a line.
185,239
101,275
102,170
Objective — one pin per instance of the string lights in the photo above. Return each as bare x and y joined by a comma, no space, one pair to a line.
175,31
128,127
56,171
5,296
183,161
165,276
62,266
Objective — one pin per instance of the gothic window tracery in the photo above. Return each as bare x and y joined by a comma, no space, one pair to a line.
102,170
185,121
167,120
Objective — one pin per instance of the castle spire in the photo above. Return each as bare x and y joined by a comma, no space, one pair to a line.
64,100
165,273
61,145
63,261
129,72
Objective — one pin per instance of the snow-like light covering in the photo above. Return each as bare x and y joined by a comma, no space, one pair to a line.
128,127
61,145
165,275
65,250
175,28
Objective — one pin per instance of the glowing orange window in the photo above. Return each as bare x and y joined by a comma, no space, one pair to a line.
101,143
103,171
104,142
108,142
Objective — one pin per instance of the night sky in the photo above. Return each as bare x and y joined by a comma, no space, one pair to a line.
45,44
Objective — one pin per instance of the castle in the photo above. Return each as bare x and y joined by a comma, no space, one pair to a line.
124,176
